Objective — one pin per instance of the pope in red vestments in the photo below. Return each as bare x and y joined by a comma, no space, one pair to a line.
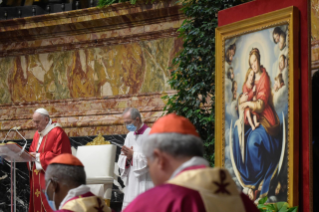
183,180
49,141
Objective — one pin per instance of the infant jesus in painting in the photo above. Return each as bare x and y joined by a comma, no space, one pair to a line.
250,89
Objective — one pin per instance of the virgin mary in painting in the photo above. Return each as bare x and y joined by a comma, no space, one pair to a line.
256,152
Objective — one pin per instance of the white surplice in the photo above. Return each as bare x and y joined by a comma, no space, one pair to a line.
134,174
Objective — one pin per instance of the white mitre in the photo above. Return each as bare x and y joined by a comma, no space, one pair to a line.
42,111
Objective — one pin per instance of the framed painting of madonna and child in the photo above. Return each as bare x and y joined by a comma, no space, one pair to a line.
256,101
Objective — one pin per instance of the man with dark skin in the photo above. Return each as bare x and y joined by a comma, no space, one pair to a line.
66,191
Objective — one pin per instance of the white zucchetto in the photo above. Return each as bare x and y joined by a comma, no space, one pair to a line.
42,111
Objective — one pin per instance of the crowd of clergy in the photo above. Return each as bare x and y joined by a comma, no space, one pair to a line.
162,168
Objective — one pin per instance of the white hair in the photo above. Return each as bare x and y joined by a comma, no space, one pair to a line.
134,113
174,144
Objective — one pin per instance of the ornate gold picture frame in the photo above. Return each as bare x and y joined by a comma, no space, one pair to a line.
256,100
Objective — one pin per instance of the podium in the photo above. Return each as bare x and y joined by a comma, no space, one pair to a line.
14,153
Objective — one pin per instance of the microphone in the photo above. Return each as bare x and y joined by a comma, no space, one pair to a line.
16,129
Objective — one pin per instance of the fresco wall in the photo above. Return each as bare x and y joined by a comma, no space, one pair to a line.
86,66
133,68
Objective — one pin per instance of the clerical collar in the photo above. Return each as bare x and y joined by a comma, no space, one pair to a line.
194,161
141,130
82,189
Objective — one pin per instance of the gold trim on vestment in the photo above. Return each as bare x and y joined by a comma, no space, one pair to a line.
45,142
107,202
204,181
39,175
86,204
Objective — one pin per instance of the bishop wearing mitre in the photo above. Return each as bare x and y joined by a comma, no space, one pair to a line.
48,141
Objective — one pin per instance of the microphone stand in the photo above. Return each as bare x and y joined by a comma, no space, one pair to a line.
13,170
16,129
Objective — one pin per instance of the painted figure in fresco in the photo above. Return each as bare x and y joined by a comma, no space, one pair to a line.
234,89
282,40
230,73
276,34
282,62
261,151
23,84
230,53
279,82
250,88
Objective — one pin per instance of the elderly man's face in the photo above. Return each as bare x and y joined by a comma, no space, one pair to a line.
128,120
158,167
40,121
155,172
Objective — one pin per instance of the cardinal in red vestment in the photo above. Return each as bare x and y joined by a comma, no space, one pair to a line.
66,190
49,141
183,180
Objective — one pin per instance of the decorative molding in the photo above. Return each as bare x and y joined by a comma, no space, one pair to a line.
92,27
65,45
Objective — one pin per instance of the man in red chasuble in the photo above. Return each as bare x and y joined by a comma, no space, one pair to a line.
48,141
183,179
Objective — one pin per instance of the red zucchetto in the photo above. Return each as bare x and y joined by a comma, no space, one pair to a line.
173,123
66,159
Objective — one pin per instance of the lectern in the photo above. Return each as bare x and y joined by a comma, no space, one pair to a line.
14,153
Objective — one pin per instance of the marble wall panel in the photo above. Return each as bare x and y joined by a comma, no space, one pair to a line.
84,116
